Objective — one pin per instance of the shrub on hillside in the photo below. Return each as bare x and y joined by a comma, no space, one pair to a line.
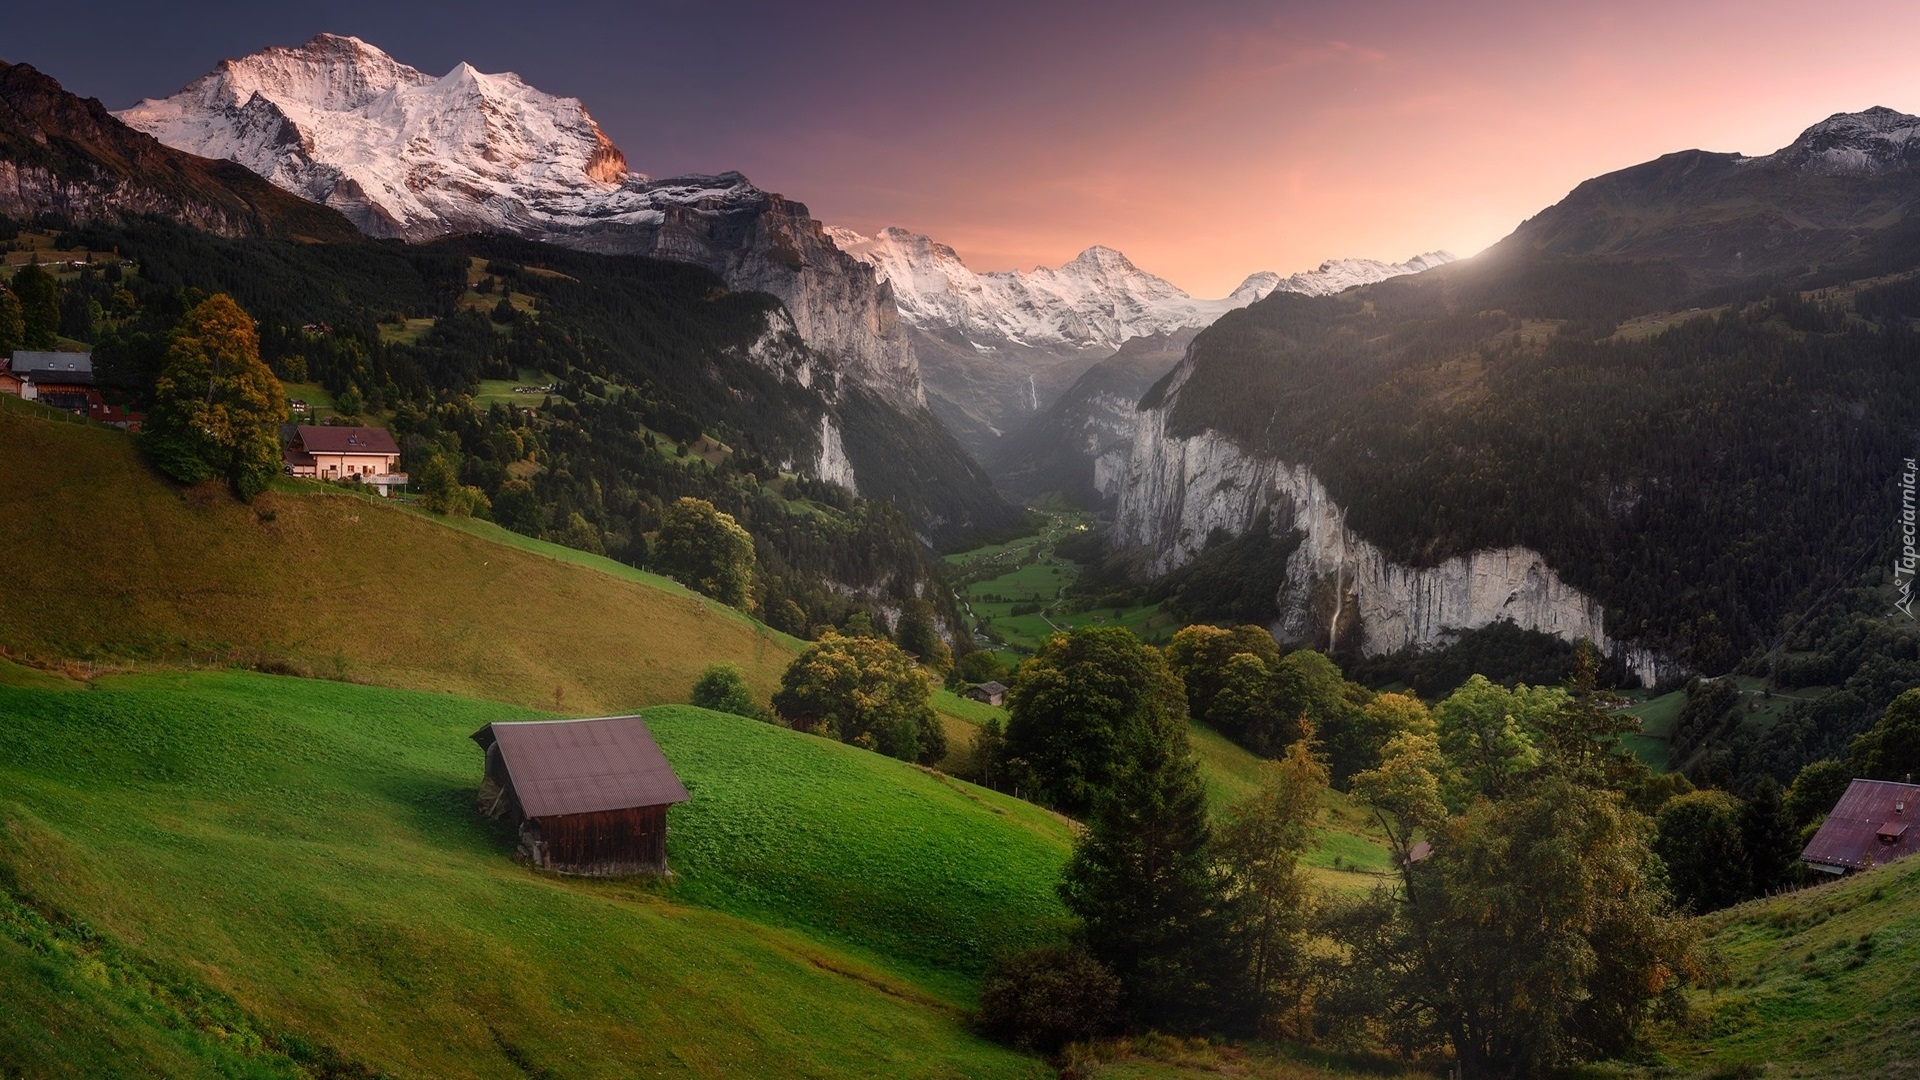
1044,998
722,688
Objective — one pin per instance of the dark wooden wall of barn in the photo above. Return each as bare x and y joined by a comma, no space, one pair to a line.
606,841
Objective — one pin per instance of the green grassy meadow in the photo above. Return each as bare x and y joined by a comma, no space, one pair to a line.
232,873
1029,573
1818,983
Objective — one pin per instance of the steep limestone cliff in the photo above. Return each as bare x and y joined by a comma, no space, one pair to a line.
1172,493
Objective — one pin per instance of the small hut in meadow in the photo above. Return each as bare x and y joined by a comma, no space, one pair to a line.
988,693
588,797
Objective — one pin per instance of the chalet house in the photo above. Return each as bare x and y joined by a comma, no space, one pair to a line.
368,455
60,379
1873,823
587,797
992,693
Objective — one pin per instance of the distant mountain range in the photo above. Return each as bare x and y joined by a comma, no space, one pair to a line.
997,349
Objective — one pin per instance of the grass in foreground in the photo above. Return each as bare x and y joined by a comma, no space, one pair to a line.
229,874
1820,983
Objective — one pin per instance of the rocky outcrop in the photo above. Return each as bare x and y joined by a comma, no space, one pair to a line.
1173,493
61,154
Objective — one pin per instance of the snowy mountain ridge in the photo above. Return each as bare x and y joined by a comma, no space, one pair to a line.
401,152
1100,299
406,154
1874,140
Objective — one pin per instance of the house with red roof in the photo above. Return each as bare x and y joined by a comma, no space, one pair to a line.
366,455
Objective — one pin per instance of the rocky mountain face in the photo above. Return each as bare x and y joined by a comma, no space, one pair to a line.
1840,194
1081,443
998,349
406,154
1340,590
65,155
1353,418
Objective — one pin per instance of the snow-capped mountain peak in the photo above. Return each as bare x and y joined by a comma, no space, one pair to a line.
1875,140
1099,299
402,152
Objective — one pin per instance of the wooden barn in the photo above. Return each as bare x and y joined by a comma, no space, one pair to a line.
1872,824
588,797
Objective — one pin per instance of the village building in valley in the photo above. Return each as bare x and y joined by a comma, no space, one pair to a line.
587,797
364,454
1873,823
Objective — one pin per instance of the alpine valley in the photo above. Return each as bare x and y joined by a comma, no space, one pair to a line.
1390,669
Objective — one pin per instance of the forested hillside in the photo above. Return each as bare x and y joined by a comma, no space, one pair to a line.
1707,482
660,383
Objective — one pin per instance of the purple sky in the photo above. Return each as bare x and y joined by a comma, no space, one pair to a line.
1206,139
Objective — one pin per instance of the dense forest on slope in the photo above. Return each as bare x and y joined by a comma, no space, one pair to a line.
645,357
1707,481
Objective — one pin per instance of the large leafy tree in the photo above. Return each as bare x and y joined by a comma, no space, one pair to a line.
216,408
1075,705
13,327
1143,878
1704,847
39,306
1199,654
1310,686
706,550
864,691
1890,749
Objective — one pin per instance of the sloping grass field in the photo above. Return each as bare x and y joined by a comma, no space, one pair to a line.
109,565
1819,983
233,873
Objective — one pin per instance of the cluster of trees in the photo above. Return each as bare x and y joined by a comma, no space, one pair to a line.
1528,926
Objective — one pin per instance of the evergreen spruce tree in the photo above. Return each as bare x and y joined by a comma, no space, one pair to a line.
1142,878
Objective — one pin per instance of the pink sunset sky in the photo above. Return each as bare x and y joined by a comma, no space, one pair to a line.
1205,138
1376,130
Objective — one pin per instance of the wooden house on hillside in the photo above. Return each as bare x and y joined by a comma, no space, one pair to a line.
587,797
1873,823
988,693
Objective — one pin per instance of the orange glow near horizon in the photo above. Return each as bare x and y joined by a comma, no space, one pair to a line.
1277,146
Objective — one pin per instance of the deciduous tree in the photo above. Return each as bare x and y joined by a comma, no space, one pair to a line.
1261,842
39,307
706,550
217,409
864,691
1075,704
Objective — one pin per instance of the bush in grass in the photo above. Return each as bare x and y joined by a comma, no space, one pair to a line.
722,688
1044,998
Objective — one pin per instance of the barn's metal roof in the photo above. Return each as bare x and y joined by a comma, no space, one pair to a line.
1868,827
583,766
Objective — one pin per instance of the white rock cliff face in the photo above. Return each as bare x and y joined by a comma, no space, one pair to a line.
1173,492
